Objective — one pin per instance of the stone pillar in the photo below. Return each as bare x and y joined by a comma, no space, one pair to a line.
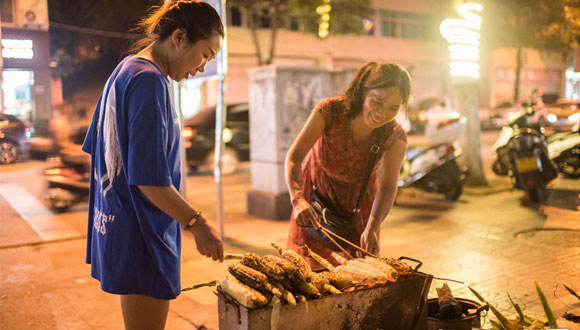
280,102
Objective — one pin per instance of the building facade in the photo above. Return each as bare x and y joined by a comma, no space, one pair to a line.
404,32
26,80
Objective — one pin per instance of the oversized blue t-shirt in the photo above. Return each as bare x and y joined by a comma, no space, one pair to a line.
132,246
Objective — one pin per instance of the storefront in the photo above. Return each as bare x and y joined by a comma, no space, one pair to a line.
26,82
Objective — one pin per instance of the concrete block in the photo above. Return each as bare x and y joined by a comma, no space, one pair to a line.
268,205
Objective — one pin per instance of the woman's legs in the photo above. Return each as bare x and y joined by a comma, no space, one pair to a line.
144,313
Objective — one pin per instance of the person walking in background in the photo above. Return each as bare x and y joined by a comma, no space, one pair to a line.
135,209
337,139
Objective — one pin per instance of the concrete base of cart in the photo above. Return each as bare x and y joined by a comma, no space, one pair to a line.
393,306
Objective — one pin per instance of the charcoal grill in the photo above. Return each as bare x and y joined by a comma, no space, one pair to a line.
400,305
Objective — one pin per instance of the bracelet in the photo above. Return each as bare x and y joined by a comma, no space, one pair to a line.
193,220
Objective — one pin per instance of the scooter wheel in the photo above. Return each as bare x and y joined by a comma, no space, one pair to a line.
499,168
534,194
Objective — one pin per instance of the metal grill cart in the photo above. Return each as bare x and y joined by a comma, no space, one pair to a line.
400,305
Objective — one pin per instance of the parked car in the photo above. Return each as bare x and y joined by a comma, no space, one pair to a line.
199,136
14,136
563,114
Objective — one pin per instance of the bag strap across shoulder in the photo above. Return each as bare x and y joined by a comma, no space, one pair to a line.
375,148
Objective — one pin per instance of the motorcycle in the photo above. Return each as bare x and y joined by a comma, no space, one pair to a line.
563,148
68,182
435,168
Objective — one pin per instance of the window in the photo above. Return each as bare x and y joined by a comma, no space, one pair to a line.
407,25
235,17
7,11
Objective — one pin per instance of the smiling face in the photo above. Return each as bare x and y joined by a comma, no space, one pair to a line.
187,59
380,106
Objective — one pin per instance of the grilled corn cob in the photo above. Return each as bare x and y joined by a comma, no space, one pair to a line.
341,260
304,272
308,289
261,264
323,262
339,280
253,278
357,274
323,284
243,294
387,269
400,266
358,264
286,295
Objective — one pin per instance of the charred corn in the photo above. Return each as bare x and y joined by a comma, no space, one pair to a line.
303,269
339,280
400,266
323,262
341,260
252,278
242,293
323,284
387,269
286,295
261,264
308,289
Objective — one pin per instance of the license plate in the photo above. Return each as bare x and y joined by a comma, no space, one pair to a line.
527,164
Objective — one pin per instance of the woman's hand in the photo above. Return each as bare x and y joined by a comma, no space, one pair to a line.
207,240
369,241
303,213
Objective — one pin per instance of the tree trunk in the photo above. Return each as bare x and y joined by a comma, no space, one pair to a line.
467,101
254,35
518,69
274,28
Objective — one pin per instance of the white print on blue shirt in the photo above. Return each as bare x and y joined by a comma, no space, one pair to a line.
100,220
113,162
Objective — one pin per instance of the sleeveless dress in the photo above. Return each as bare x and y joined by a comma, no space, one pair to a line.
336,166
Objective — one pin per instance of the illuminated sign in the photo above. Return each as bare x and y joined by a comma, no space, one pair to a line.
17,48
463,38
324,12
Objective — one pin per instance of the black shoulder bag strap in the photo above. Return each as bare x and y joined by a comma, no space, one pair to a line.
375,148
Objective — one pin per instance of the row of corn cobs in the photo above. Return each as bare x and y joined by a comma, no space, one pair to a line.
257,280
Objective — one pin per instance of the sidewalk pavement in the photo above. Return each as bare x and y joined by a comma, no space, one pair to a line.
490,239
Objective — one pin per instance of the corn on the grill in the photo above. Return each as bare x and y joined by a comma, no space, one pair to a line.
252,278
341,260
286,295
323,262
261,264
357,274
387,269
323,284
308,289
304,271
242,293
339,280
358,264
400,266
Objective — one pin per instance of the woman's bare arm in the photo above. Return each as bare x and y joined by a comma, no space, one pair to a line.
388,178
170,201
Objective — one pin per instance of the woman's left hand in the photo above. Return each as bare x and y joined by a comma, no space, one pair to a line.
369,240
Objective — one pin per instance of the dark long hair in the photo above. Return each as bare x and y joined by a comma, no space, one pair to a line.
197,18
374,75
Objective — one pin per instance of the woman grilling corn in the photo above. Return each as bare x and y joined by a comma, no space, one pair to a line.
336,139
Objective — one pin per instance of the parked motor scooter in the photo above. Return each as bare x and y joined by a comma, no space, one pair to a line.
435,169
68,182
563,148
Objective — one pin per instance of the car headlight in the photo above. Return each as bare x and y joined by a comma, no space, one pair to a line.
575,117
552,118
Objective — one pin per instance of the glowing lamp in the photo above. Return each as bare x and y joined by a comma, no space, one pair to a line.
463,37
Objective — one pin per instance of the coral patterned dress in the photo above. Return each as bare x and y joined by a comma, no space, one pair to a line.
336,166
